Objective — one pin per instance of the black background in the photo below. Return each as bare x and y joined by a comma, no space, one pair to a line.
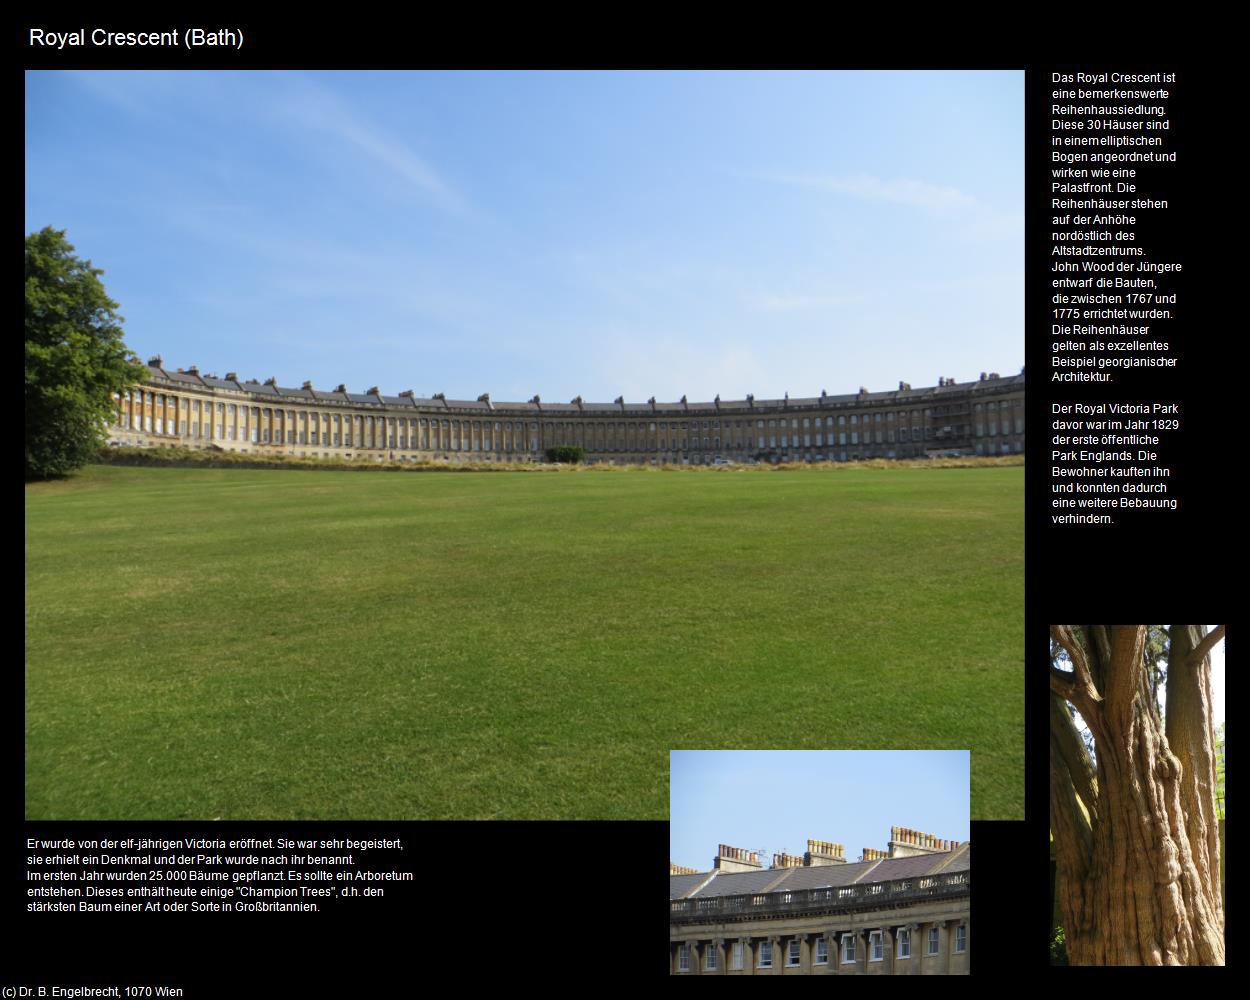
581,901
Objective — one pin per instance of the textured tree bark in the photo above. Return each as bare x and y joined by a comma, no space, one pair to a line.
1135,839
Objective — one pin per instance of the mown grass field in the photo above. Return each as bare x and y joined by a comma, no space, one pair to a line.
289,644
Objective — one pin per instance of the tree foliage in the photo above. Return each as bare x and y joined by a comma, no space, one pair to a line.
75,357
566,453
1219,768
1134,822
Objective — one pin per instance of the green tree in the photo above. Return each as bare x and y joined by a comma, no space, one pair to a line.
566,453
1134,825
1219,768
75,357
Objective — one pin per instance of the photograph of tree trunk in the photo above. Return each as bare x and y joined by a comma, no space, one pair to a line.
1134,817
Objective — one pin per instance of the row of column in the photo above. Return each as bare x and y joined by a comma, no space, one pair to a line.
169,416
165,415
840,960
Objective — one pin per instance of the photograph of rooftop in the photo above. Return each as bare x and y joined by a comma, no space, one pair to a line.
750,907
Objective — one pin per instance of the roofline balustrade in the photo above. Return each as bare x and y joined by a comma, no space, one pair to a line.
868,896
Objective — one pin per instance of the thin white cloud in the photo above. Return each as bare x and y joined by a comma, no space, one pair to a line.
317,108
933,198
293,100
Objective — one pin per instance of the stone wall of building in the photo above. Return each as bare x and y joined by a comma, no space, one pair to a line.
188,409
769,940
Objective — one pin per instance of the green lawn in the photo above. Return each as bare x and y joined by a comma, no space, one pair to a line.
287,644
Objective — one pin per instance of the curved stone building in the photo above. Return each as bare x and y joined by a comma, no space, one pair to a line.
194,410
902,911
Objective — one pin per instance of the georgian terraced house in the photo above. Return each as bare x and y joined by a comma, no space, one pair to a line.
902,911
191,409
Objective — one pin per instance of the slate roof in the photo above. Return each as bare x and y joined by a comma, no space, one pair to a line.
817,877
680,885
734,406
736,883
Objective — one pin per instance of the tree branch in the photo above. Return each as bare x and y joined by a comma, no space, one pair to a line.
1069,821
1124,670
1066,742
1063,684
1203,648
1077,687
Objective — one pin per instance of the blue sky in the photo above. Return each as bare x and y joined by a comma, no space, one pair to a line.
779,799
605,233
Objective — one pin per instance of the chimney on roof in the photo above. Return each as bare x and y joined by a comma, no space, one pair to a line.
307,385
872,854
232,376
681,870
485,398
271,380
652,402
863,390
408,394
824,852
784,860
179,370
155,361
736,859
620,401
373,391
905,843
341,387
440,395
995,375
904,387
194,370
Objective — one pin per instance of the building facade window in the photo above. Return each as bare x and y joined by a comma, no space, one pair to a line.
848,949
822,951
766,955
874,946
933,940
736,961
710,962
683,957
904,943
792,954
961,939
